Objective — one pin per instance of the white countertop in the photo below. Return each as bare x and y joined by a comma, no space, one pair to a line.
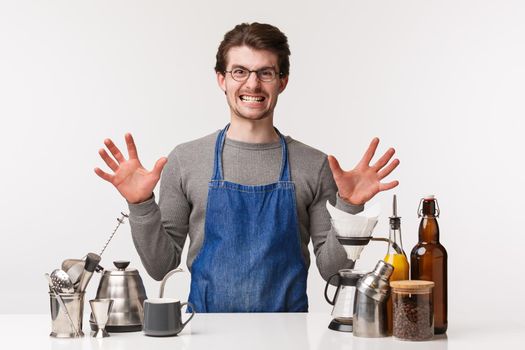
305,331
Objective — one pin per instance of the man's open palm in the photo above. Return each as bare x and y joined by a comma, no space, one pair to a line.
360,184
131,179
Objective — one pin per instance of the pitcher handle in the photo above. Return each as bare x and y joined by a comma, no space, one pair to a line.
192,312
331,302
163,283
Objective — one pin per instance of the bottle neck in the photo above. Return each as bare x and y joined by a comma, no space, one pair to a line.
429,229
395,238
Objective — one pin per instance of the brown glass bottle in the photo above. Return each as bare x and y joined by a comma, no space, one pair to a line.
428,261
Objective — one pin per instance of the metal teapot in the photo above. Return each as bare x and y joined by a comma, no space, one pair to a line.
126,288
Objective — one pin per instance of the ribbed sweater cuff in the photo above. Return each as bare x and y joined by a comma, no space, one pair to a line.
347,207
144,208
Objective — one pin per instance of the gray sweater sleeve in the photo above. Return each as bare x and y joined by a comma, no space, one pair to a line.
330,254
159,231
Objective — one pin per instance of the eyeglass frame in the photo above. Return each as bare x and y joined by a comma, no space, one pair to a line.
277,74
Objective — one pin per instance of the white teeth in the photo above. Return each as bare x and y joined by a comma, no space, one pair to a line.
252,98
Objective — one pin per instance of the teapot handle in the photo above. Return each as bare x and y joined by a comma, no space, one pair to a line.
163,283
331,302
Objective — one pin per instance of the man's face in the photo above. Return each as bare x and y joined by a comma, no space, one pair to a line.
252,99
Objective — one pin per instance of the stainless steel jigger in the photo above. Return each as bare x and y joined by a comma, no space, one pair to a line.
101,309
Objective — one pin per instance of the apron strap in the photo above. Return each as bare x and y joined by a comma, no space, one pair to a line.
219,145
285,165
217,162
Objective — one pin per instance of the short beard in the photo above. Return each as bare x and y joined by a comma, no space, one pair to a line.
265,115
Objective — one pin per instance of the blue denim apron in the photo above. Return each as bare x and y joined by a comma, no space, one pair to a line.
251,259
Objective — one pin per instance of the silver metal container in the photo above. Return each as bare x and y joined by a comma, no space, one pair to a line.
61,326
124,285
370,315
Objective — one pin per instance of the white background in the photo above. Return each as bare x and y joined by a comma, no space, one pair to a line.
441,81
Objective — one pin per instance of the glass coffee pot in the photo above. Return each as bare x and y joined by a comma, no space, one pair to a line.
343,300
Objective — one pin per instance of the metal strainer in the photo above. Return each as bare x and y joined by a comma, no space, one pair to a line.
61,282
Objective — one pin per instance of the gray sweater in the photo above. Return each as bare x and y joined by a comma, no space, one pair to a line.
159,231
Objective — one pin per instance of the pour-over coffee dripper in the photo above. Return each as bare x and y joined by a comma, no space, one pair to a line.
354,233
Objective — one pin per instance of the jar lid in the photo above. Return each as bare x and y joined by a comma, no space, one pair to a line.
411,286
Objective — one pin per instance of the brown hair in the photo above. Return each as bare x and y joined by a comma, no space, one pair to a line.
258,36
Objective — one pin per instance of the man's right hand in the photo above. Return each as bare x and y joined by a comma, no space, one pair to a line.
131,179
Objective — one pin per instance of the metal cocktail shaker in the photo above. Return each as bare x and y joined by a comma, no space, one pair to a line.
370,315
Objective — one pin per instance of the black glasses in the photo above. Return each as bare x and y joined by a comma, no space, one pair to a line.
242,74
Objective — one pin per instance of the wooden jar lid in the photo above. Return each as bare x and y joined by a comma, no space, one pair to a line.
412,285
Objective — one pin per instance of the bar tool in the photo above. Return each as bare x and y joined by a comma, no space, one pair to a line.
75,267
120,221
100,309
69,263
75,272
370,312
61,282
91,263
62,305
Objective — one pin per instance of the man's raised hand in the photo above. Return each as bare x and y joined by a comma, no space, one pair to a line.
360,184
131,179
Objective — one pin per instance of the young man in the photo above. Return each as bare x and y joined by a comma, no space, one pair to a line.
249,198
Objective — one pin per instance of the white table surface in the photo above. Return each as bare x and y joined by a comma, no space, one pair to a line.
261,331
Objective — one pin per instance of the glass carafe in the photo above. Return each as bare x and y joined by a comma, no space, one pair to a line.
343,300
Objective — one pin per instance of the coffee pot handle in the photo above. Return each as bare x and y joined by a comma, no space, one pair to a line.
163,283
192,312
331,302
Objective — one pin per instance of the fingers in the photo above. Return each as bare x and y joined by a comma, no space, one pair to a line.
108,160
104,175
384,159
159,165
388,186
334,166
369,154
132,149
386,171
114,150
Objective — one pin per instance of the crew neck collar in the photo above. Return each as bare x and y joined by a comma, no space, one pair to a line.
255,146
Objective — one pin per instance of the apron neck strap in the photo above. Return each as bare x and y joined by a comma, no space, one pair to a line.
219,145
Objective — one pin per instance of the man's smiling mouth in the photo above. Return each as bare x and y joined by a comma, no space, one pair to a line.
246,98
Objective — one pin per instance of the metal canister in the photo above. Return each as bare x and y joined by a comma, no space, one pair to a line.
66,323
370,315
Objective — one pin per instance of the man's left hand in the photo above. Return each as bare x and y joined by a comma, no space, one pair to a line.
360,184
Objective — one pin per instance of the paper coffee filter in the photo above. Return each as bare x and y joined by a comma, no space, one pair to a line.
353,251
354,225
